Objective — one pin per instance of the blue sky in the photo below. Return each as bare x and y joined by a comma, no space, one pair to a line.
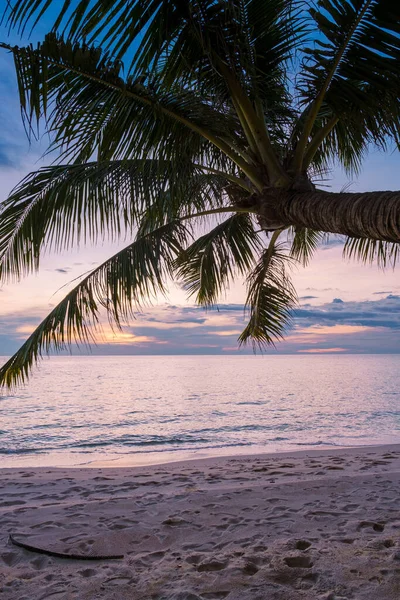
344,307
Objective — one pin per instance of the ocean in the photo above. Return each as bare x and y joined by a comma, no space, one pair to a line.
92,410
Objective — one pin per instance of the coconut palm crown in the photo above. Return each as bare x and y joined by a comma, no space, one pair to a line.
167,114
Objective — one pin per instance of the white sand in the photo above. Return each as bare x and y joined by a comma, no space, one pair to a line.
323,525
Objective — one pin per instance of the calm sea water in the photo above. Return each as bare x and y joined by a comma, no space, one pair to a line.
81,410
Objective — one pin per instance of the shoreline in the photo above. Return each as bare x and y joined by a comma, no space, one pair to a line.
310,451
310,524
66,460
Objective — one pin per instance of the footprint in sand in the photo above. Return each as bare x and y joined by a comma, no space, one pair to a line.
194,559
10,558
298,562
40,562
175,522
378,527
350,507
185,596
154,556
88,572
302,545
56,595
250,569
115,581
212,565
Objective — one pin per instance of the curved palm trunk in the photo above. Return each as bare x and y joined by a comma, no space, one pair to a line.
374,215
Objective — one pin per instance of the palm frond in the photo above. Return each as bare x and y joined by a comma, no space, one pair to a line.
206,267
353,71
271,298
90,108
234,53
120,284
252,38
304,243
367,251
179,36
201,192
184,43
374,120
116,22
59,206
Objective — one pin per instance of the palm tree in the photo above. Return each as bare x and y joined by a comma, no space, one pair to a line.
165,113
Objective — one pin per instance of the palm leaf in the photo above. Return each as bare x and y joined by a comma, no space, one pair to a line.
113,22
206,267
59,206
370,251
270,299
304,243
201,192
177,35
352,71
126,280
89,108
183,44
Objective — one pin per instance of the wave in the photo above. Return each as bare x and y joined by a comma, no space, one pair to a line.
141,441
319,443
149,444
11,451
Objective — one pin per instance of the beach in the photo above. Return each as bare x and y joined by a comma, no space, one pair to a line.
313,524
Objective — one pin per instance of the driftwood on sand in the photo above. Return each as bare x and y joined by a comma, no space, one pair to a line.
63,554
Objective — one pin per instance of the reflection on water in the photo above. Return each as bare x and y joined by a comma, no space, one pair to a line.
82,406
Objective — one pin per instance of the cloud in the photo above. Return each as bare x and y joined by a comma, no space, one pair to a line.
221,320
107,335
66,270
334,329
363,327
308,297
328,289
321,350
381,293
236,332
369,326
373,313
25,330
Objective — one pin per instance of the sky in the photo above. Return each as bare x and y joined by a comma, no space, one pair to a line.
344,307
